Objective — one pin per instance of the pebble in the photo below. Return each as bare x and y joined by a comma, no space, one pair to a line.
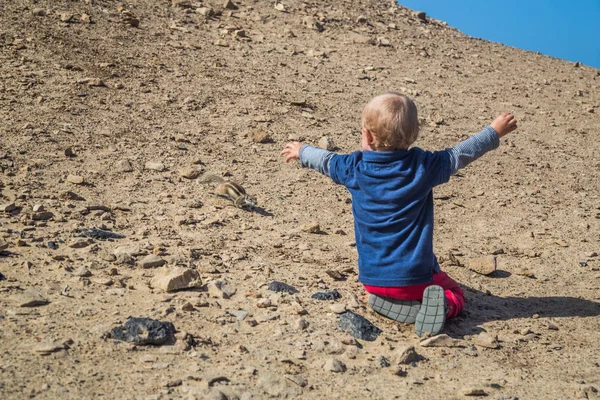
297,379
407,355
124,166
46,348
228,5
69,152
330,295
263,303
151,261
525,272
8,207
42,216
334,365
155,166
240,314
442,340
220,289
83,272
205,11
311,227
39,12
30,298
3,246
75,179
276,286
38,208
261,136
358,326
177,279
80,243
473,392
144,331
190,173
327,143
482,265
338,308
301,324
102,281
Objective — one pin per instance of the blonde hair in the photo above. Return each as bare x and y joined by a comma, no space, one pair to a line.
393,121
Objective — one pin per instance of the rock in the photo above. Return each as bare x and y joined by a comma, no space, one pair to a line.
144,331
206,11
85,18
327,143
277,386
261,136
69,152
190,173
524,271
338,308
124,166
8,207
181,3
220,289
155,166
312,23
279,7
30,298
473,392
442,340
276,286
102,281
38,208
422,15
83,272
486,340
264,303
39,12
80,243
240,314
46,348
177,279
75,179
151,261
383,42
100,234
358,326
42,216
592,254
3,246
407,355
482,265
301,324
65,17
68,195
331,295
334,365
311,227
228,5
297,379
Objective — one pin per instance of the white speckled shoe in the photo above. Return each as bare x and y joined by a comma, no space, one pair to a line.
432,315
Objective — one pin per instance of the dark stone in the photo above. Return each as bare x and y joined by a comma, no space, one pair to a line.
2,277
101,234
331,295
384,362
276,286
144,331
52,245
358,326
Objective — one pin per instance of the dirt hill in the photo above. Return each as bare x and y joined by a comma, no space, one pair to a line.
108,113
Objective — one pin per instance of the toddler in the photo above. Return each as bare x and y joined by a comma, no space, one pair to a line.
392,203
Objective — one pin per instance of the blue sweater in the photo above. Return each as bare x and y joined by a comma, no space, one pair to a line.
392,203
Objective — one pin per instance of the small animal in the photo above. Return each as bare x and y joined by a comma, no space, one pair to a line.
231,190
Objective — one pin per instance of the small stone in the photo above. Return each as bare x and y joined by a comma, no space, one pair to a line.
442,340
276,286
591,254
102,281
279,7
151,261
46,348
177,279
525,272
144,331
38,208
483,265
486,340
311,227
383,42
3,246
85,18
263,303
65,17
327,143
83,272
75,179
190,173
358,326
551,326
220,289
361,19
155,166
124,166
42,216
8,207
240,314
422,15
39,12
331,295
261,136
301,324
313,24
30,298
228,5
69,152
181,3
338,308
407,355
297,379
205,11
80,243
334,365
473,392
221,43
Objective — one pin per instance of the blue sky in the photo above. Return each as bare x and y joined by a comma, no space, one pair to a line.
558,28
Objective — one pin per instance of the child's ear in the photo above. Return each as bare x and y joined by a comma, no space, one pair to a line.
369,136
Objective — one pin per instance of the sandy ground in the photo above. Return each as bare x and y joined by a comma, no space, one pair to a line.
109,110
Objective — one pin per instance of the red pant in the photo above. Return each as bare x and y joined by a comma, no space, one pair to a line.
454,294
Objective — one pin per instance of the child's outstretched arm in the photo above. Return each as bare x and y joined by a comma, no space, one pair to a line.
309,156
477,145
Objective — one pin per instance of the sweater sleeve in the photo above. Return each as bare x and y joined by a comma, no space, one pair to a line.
472,148
315,158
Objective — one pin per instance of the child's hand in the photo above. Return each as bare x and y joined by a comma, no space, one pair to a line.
291,151
504,124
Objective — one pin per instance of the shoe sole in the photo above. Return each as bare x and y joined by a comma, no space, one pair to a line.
399,310
432,315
